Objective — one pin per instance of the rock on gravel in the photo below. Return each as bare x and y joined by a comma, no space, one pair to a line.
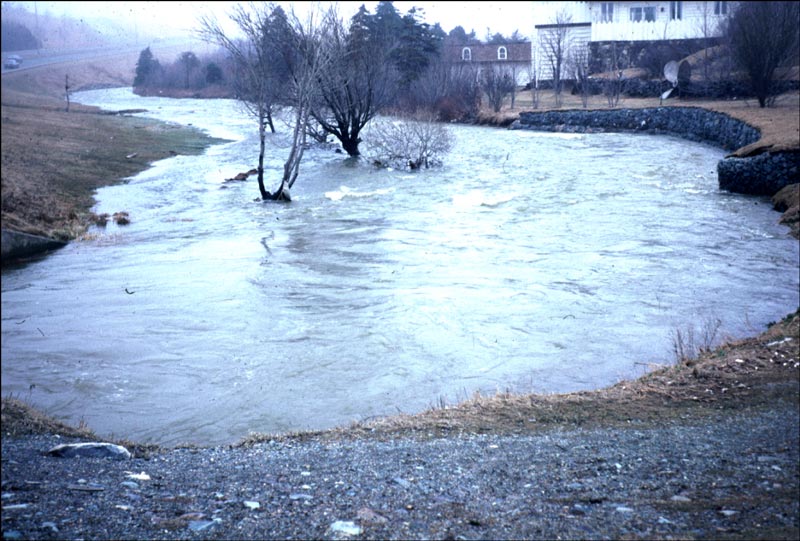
90,449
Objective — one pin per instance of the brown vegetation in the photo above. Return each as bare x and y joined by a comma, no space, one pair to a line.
53,161
20,419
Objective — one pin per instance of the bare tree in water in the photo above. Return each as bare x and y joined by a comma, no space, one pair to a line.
308,55
415,141
361,81
261,77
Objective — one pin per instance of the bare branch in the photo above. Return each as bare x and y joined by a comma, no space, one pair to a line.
414,142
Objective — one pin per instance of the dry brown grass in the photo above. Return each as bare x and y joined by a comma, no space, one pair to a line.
19,418
53,161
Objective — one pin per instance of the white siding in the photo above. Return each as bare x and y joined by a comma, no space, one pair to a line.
647,31
577,37
698,21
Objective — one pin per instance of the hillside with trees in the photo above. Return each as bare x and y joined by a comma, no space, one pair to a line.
17,37
42,30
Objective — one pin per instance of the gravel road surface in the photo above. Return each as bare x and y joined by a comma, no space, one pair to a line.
730,475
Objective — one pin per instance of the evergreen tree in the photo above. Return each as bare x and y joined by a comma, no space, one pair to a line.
189,62
213,73
145,67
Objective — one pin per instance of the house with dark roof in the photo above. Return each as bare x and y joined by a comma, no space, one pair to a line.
515,58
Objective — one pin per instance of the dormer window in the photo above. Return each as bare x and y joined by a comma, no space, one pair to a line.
502,53
466,54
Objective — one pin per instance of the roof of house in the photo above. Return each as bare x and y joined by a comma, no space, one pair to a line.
516,52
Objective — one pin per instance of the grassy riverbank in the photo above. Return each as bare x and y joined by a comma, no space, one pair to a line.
54,160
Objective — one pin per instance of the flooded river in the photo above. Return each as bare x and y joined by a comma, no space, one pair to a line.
528,262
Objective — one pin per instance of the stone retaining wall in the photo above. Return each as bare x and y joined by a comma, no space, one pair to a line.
764,174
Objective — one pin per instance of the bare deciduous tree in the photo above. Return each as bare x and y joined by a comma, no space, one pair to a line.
536,92
361,81
579,59
612,85
280,61
764,37
414,142
555,43
259,82
708,26
524,73
308,57
452,90
497,83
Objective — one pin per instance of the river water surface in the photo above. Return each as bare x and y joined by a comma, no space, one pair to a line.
528,262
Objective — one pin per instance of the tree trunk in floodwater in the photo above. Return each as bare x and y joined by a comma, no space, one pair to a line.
262,135
281,194
291,168
350,144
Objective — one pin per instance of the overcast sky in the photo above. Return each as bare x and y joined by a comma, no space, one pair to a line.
503,17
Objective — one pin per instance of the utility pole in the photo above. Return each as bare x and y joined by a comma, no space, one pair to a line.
36,19
66,90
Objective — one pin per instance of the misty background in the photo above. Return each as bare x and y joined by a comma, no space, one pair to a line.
77,25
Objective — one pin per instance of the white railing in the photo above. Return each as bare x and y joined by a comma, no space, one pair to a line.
647,30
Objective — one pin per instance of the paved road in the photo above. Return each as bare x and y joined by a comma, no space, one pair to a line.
42,57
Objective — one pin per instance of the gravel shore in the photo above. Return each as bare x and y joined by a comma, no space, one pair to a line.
724,475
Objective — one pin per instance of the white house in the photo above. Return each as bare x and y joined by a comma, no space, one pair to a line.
585,22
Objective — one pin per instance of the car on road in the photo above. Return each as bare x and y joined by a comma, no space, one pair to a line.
12,62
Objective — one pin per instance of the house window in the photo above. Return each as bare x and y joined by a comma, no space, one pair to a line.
675,10
720,8
606,12
466,54
502,53
639,14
